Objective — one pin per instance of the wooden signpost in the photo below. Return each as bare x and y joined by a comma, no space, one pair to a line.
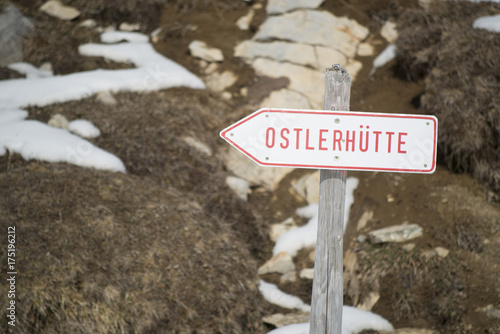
334,141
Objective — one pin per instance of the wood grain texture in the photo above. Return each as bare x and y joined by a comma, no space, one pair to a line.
327,293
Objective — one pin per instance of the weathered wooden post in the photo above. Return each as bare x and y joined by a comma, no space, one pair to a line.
327,293
335,140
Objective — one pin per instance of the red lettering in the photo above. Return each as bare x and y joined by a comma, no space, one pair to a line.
322,139
268,131
336,140
307,141
400,142
283,146
348,140
376,133
389,136
361,141
297,131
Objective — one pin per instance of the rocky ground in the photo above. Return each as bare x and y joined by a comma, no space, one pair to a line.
170,246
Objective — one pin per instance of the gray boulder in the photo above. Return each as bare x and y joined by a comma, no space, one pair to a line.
13,26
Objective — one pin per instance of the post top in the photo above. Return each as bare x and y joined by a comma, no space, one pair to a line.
336,68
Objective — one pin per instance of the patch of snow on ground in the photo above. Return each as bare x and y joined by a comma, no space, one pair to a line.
36,140
353,322
384,57
275,296
154,72
30,71
118,36
309,211
84,128
305,236
292,329
490,23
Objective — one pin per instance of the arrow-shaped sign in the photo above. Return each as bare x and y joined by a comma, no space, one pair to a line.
343,140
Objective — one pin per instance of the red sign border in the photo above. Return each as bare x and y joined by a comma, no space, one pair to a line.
434,119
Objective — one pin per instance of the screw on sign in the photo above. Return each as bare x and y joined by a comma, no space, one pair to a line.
335,140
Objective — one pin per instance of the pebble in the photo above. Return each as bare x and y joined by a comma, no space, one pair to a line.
442,252
307,273
56,9
58,121
389,31
243,23
396,233
218,82
125,26
281,263
279,320
239,186
201,50
105,97
197,145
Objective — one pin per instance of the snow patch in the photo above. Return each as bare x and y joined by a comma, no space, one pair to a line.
36,140
305,236
490,23
30,71
118,36
275,296
84,128
384,57
353,322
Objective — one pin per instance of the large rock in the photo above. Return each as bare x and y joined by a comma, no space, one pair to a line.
245,168
283,6
286,98
314,28
318,57
326,57
305,81
13,26
296,53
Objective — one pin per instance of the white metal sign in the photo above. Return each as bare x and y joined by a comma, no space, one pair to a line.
344,140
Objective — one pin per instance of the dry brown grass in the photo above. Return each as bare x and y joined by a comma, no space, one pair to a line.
165,248
420,287
461,67
112,253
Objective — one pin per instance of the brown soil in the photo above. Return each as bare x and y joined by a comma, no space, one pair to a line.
168,248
